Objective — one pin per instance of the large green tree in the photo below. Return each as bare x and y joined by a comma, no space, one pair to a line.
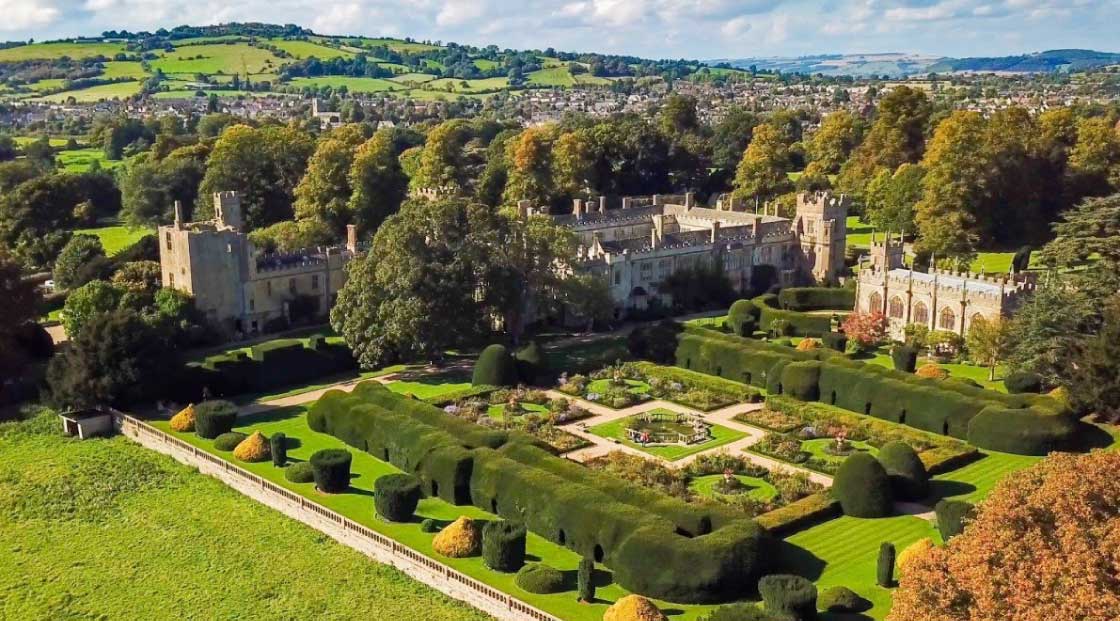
81,260
325,190
149,188
20,307
379,185
530,167
442,160
890,198
36,217
953,187
897,136
833,143
761,174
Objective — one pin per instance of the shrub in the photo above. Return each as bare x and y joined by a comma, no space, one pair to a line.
786,594
300,472
808,345
503,545
1023,382
279,448
801,380
742,318
781,327
909,479
951,516
657,342
842,599
184,420
395,496
633,608
540,579
213,418
913,551
817,298
252,449
229,440
863,487
835,341
585,580
904,358
459,539
428,525
932,371
332,470
529,362
493,367
742,612
884,570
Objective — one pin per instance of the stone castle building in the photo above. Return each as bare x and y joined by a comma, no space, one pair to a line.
238,288
636,247
938,299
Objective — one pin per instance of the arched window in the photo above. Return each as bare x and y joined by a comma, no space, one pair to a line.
875,303
948,320
921,314
975,317
896,309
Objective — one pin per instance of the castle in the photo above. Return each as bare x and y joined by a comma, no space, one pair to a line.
939,299
238,288
636,247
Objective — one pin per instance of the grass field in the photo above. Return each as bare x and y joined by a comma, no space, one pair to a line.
757,488
357,505
393,44
972,372
975,481
95,93
115,238
354,85
859,234
55,141
49,84
307,49
106,529
472,86
47,51
844,552
418,78
552,76
485,64
123,69
80,160
616,430
432,386
217,58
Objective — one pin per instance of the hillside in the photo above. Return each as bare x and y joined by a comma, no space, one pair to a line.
1040,62
232,59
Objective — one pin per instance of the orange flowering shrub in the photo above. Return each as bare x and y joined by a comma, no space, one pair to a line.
633,608
253,448
459,539
932,371
184,420
916,550
808,345
1045,546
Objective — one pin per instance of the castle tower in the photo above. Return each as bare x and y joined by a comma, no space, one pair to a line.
227,209
887,254
821,225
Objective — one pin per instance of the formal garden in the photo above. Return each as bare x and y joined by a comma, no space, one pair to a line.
667,434
625,384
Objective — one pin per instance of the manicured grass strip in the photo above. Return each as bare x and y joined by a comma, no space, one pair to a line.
844,552
431,386
616,430
81,160
859,234
816,448
973,482
106,529
972,372
116,238
357,504
757,488
601,386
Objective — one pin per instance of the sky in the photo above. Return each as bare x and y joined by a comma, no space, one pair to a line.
695,29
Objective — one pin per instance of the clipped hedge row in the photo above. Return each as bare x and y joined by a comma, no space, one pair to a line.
1022,424
795,516
657,545
800,324
817,298
266,366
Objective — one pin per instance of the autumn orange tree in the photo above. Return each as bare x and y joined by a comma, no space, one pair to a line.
1044,546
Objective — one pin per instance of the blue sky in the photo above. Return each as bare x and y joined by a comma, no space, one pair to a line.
650,28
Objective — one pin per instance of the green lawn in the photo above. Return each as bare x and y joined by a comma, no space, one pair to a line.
616,430
973,482
355,85
55,50
116,238
552,76
106,529
394,44
498,412
115,90
844,552
601,386
472,86
307,49
80,160
970,371
432,386
124,69
418,78
357,504
757,488
217,58
816,449
859,234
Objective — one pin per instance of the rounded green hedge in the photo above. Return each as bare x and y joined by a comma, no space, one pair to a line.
540,579
503,545
951,516
278,446
494,367
332,470
229,440
300,472
1026,431
786,594
908,475
213,418
743,612
801,380
395,496
742,318
904,358
842,599
530,363
1023,382
863,487
430,526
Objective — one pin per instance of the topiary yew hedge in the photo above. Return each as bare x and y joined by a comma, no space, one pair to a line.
863,487
817,298
1023,424
395,496
494,367
331,469
799,324
213,418
267,366
657,545
908,475
503,545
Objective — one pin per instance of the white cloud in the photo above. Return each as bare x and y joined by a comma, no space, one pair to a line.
25,14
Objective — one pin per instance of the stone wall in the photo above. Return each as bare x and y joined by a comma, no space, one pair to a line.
347,532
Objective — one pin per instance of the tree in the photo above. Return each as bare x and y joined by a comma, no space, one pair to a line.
988,342
1042,546
1093,368
82,259
953,187
263,165
378,182
731,136
36,217
890,198
1048,324
865,329
678,115
573,163
150,188
21,306
833,143
142,277
896,137
116,360
530,167
761,174
1095,158
292,235
441,162
325,191
86,302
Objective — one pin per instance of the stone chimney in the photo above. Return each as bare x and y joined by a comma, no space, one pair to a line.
715,230
178,214
352,238
657,233
577,208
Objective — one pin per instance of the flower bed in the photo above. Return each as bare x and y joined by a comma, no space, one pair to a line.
526,410
623,385
629,430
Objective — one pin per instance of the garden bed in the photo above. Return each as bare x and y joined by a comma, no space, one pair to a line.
525,410
617,431
824,454
624,385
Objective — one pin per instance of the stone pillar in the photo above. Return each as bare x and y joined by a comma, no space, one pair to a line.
602,204
351,238
577,208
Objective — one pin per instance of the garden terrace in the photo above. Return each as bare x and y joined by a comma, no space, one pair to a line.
667,438
698,554
1022,424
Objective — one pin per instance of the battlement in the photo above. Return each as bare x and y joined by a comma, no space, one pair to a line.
824,203
973,285
434,193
